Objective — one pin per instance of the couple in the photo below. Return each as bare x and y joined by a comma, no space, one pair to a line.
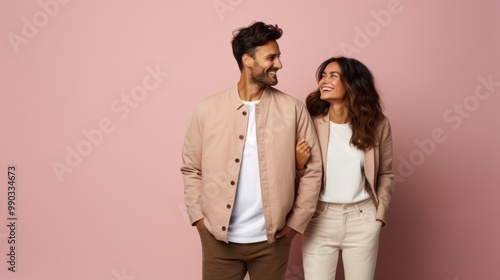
258,169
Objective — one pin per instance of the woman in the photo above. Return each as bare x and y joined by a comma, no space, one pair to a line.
356,145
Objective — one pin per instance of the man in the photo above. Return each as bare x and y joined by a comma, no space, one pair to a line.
239,166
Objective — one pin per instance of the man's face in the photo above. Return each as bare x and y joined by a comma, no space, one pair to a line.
266,63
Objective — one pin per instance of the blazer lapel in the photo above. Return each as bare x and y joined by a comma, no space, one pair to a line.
369,165
323,130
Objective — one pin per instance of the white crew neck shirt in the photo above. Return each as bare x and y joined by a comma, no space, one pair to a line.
247,224
345,179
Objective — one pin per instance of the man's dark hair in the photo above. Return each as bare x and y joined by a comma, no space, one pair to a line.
246,39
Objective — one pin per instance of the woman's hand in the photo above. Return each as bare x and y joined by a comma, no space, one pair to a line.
302,154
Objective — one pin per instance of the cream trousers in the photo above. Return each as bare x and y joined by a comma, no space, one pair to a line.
347,228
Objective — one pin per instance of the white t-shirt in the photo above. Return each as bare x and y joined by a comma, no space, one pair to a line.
345,179
247,224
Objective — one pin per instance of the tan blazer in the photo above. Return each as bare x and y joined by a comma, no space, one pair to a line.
377,163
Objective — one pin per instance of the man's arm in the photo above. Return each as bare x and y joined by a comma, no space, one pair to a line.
191,167
309,184
302,155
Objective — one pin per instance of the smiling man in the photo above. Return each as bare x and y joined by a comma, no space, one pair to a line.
239,166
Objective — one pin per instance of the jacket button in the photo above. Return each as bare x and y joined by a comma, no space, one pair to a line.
228,206
244,113
233,183
241,137
223,228
237,160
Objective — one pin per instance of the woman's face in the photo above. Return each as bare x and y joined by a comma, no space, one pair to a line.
330,86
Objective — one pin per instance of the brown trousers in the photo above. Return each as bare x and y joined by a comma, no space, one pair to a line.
262,260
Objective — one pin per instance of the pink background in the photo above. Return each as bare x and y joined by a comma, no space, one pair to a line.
69,67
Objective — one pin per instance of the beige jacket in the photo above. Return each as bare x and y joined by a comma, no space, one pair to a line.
212,156
377,163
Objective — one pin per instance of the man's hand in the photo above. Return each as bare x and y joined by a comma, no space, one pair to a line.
200,224
287,232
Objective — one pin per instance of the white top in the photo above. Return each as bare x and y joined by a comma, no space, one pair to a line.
247,224
345,179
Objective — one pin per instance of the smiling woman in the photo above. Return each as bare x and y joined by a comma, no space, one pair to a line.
356,144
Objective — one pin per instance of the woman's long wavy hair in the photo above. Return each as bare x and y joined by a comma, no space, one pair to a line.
362,100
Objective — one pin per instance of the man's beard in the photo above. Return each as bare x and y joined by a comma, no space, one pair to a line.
264,79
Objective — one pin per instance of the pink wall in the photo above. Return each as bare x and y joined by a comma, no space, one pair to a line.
95,97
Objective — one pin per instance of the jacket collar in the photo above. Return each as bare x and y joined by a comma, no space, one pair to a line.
236,100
